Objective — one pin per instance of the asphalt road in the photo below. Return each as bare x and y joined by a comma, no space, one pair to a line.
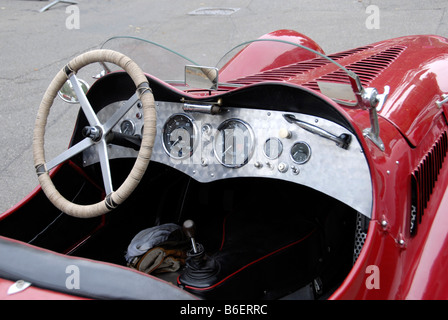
35,45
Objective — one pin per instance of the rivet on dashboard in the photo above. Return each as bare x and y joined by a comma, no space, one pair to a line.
258,165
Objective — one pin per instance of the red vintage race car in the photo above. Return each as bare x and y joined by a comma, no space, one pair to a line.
281,173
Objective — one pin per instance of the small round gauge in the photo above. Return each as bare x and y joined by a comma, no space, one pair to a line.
234,143
300,152
273,148
179,136
127,127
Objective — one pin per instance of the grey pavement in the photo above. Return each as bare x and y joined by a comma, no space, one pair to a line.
35,45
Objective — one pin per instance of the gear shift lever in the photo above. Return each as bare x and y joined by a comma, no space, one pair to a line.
200,268
190,231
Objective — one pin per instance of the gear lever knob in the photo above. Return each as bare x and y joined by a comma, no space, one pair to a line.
189,228
190,231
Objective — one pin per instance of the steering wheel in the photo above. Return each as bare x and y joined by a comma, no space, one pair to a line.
95,133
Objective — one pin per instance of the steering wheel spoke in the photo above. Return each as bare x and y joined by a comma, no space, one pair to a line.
84,102
113,120
69,153
105,166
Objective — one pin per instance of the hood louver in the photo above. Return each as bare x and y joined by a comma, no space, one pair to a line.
292,70
367,69
424,178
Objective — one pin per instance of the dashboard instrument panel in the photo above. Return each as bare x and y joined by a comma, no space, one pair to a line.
241,142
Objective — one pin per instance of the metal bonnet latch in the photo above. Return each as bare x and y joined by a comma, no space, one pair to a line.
443,101
356,97
377,101
369,99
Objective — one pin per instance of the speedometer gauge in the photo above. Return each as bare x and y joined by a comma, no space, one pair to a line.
234,143
179,136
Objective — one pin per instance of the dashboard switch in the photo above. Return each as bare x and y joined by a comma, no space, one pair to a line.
284,133
282,167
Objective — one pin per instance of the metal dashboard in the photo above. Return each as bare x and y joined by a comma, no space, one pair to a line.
242,142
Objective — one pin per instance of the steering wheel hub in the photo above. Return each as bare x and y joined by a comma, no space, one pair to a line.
95,133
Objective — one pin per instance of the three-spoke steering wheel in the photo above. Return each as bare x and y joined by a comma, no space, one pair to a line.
95,134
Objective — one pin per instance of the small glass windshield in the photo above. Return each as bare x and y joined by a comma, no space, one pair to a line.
153,58
169,65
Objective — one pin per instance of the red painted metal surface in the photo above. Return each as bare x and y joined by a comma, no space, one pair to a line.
409,267
262,56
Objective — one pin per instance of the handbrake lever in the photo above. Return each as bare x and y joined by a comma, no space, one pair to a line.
342,141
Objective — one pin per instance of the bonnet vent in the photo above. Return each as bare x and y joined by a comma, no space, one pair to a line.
424,178
367,69
292,70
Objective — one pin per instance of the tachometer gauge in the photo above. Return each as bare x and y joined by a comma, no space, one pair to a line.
300,152
179,136
234,143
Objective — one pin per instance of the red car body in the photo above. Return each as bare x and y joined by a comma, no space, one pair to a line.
405,253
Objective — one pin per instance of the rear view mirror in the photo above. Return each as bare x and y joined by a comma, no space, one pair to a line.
67,93
201,77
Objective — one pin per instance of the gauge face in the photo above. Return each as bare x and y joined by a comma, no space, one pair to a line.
273,148
300,152
127,127
234,143
179,136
